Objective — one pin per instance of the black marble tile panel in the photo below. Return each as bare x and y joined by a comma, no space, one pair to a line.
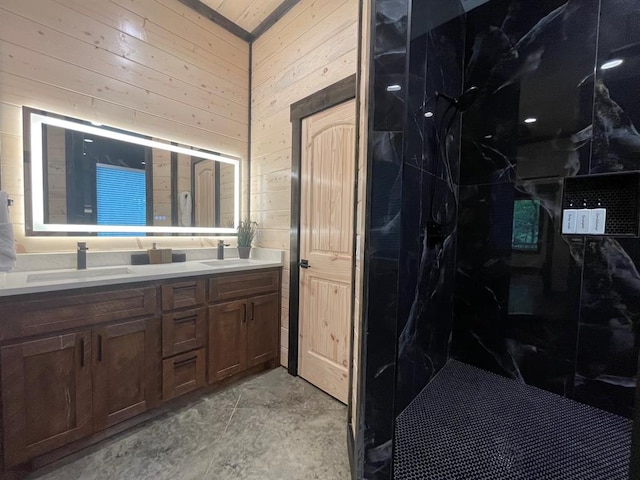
427,263
381,299
616,141
389,64
531,62
517,285
609,325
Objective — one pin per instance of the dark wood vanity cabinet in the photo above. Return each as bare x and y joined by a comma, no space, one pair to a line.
243,333
184,337
227,340
46,395
263,329
126,371
59,389
75,365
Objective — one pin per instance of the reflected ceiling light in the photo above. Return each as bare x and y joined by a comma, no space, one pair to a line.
96,124
428,114
394,88
88,140
488,137
616,62
530,120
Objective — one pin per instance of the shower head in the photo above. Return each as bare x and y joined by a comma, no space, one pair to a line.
464,101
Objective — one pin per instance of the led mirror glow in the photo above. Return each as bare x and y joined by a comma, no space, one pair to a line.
38,121
616,62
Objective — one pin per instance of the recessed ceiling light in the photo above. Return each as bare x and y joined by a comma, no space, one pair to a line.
530,120
428,114
88,140
394,88
616,62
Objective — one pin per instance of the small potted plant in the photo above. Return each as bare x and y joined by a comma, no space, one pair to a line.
246,233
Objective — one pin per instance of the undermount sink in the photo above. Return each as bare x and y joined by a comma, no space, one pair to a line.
78,274
225,263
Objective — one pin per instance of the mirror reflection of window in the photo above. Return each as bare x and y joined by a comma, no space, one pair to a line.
121,197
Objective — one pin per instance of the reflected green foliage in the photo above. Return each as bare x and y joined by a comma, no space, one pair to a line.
526,225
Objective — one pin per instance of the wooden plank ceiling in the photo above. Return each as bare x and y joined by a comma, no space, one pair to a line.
247,14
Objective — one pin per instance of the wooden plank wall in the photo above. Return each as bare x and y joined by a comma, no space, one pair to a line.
313,46
364,86
149,66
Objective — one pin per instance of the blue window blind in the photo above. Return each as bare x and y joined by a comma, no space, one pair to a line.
122,197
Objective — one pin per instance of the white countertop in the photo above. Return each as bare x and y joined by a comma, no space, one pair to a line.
18,283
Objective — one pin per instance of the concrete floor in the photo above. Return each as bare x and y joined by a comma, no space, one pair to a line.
273,426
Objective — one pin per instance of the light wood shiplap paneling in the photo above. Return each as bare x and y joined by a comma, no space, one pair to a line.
247,14
149,66
312,47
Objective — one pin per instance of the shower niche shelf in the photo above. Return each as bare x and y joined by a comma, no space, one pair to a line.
618,193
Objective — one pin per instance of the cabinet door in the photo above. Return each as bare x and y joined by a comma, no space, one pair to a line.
46,395
227,340
127,371
264,328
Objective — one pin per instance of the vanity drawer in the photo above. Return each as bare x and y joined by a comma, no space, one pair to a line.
243,285
62,312
183,331
183,294
183,373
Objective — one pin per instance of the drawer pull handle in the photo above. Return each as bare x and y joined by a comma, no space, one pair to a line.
82,353
99,348
185,362
185,319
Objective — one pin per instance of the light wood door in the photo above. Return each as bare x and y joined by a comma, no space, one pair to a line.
46,395
326,242
205,194
127,371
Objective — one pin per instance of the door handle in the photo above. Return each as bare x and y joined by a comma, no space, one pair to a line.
244,313
304,263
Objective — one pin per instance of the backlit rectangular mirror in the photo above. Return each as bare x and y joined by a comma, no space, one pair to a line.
88,179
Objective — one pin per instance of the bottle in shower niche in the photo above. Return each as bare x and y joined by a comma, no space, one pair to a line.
569,219
583,219
598,219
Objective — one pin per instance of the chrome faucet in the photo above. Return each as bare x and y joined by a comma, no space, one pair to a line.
82,256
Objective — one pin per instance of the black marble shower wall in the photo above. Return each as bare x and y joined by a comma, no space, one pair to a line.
430,190
381,263
465,257
557,312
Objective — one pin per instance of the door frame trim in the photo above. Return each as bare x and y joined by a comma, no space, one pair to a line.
329,97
